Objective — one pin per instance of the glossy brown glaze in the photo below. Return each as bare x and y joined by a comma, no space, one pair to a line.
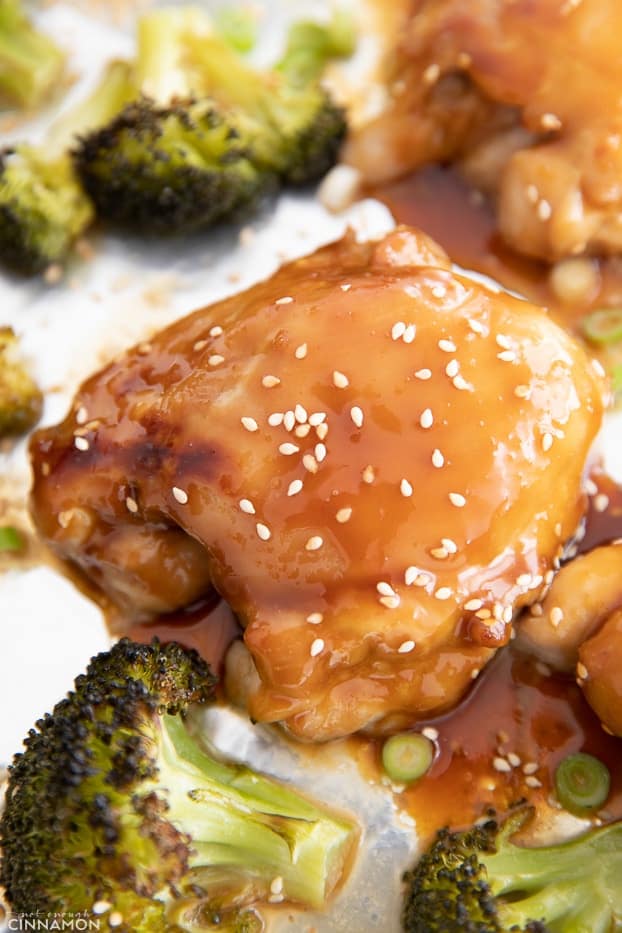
374,461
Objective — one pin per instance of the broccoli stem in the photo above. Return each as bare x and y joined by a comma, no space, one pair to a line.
163,71
30,62
237,818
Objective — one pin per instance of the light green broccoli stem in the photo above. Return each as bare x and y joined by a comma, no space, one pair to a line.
164,70
250,825
310,46
30,62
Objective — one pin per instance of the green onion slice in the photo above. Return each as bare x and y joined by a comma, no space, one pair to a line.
10,539
603,325
407,757
582,783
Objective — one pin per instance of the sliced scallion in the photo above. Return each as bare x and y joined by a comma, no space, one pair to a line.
407,757
582,783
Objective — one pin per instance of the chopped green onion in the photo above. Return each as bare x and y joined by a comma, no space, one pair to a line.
582,783
407,757
10,539
603,325
238,27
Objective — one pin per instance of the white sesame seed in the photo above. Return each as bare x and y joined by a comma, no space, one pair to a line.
430,733
389,602
500,764
317,647
450,546
591,489
286,300
369,474
457,499
82,415
309,463
344,515
556,616
288,449
314,618
249,423
424,374
506,356
301,351
439,291
598,367
406,488
522,391
533,782
346,287
263,531
340,380
406,647
582,671
460,382
514,759
524,579
426,419
452,368
301,430
294,487
533,195
317,418
476,327
423,579
439,552
269,381
322,430
410,575
544,210
473,605
385,589
300,414
447,346
100,907
409,333
432,73
247,506
275,419
444,592
314,543
438,459
601,501
131,505
276,885
289,420
215,359
200,345
81,443
180,495
320,452
530,767
357,416
504,342
483,614
215,331
547,441
115,919
397,331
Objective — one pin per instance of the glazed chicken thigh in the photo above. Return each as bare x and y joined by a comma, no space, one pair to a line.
375,461
525,96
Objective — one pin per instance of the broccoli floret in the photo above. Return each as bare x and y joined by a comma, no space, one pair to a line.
479,881
113,802
43,208
30,63
20,398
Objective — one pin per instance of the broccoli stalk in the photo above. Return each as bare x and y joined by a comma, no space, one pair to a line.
43,208
479,881
30,63
113,801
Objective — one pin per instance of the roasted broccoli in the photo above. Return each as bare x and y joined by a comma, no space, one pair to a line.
43,207
30,63
479,881
114,810
210,134
20,399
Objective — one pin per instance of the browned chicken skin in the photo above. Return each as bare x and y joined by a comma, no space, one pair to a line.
526,95
373,460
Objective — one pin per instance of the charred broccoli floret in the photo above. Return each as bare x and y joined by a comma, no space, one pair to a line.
114,810
43,208
20,398
30,62
479,881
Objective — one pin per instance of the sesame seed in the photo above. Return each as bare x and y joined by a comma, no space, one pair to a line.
506,356
215,331
249,423
544,210
426,419
432,73
483,614
314,543
288,449
100,907
289,420
247,506
547,442
556,616
438,459
180,495
344,515
131,505
533,195
533,782
385,589
522,391
300,414
524,579
263,531
450,546
591,489
340,380
322,430
406,488
424,374
346,287
317,647
457,499
514,759
476,327
357,416
447,346
444,592
389,602
473,605
81,443
294,487
439,291
276,885
410,575
530,767
598,367
315,618
452,368
369,474
301,351
461,383
309,463
430,733
115,919
320,452
301,430
423,579
397,331
601,501
317,418
500,764
275,419
286,300
582,671
82,415
269,381
409,333
439,552
215,359
406,647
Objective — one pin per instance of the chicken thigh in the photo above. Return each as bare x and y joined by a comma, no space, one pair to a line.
375,461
